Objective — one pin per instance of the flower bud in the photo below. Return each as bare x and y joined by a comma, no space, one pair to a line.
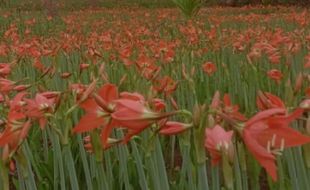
298,82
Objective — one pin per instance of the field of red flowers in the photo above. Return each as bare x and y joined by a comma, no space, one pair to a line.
136,98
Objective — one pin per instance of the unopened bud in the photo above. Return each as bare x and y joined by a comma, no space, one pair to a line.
305,104
88,91
174,103
198,113
216,100
123,79
193,71
298,82
21,87
184,74
12,166
65,75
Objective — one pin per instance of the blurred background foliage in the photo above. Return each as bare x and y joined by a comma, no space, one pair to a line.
80,4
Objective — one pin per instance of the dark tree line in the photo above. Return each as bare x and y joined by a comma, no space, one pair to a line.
51,5
265,2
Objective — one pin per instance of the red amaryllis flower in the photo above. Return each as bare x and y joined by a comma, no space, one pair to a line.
307,61
150,71
266,100
38,107
274,58
135,116
166,85
169,56
98,109
11,138
6,85
218,141
15,132
209,68
5,69
77,89
232,110
82,96
174,127
132,96
17,103
267,133
158,104
275,75
51,95
144,61
225,109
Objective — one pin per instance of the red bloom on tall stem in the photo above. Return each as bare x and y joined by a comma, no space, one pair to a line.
209,68
12,137
5,69
6,86
98,109
267,133
218,141
226,107
174,127
275,75
135,116
16,128
158,104
165,85
85,93
232,110
266,100
37,108
98,112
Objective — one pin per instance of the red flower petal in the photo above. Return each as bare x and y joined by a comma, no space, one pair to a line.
108,92
265,114
265,159
105,133
88,122
172,128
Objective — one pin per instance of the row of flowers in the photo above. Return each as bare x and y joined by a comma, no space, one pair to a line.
265,134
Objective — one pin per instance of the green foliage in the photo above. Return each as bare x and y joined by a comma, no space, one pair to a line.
189,8
144,162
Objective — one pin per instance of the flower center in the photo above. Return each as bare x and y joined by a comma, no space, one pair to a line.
43,106
222,145
101,113
272,148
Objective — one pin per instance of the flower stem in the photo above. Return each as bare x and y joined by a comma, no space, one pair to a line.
4,175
